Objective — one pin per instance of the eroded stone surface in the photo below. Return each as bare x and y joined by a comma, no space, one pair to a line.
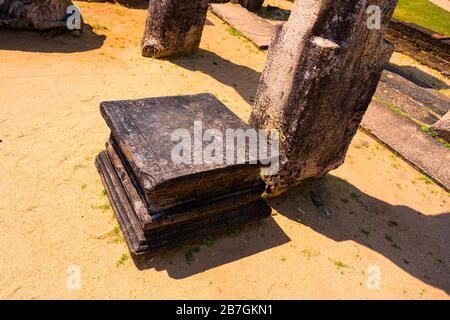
143,130
161,203
323,67
173,27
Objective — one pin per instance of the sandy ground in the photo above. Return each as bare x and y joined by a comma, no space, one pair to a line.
445,4
387,219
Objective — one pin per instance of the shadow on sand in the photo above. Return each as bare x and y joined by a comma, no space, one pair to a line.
59,41
252,239
417,77
414,242
133,4
274,13
243,79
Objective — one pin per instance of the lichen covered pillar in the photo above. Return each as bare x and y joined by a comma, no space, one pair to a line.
323,68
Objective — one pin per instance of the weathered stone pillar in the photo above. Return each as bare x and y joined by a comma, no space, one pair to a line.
323,67
173,27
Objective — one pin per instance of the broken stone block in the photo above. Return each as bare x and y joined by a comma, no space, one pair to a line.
161,202
442,127
173,27
323,67
34,14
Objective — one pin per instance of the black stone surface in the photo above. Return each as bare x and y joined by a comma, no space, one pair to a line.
160,204
223,218
142,129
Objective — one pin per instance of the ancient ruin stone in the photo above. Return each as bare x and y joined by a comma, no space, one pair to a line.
143,129
34,14
173,27
160,202
323,67
442,127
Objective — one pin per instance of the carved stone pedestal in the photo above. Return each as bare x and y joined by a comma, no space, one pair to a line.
159,201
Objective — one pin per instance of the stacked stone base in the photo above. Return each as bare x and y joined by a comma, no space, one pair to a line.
164,237
158,204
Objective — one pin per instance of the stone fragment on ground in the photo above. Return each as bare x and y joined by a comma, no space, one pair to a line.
442,127
34,14
406,138
258,30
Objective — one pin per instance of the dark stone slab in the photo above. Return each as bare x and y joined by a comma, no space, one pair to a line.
161,204
405,137
142,131
180,213
178,232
